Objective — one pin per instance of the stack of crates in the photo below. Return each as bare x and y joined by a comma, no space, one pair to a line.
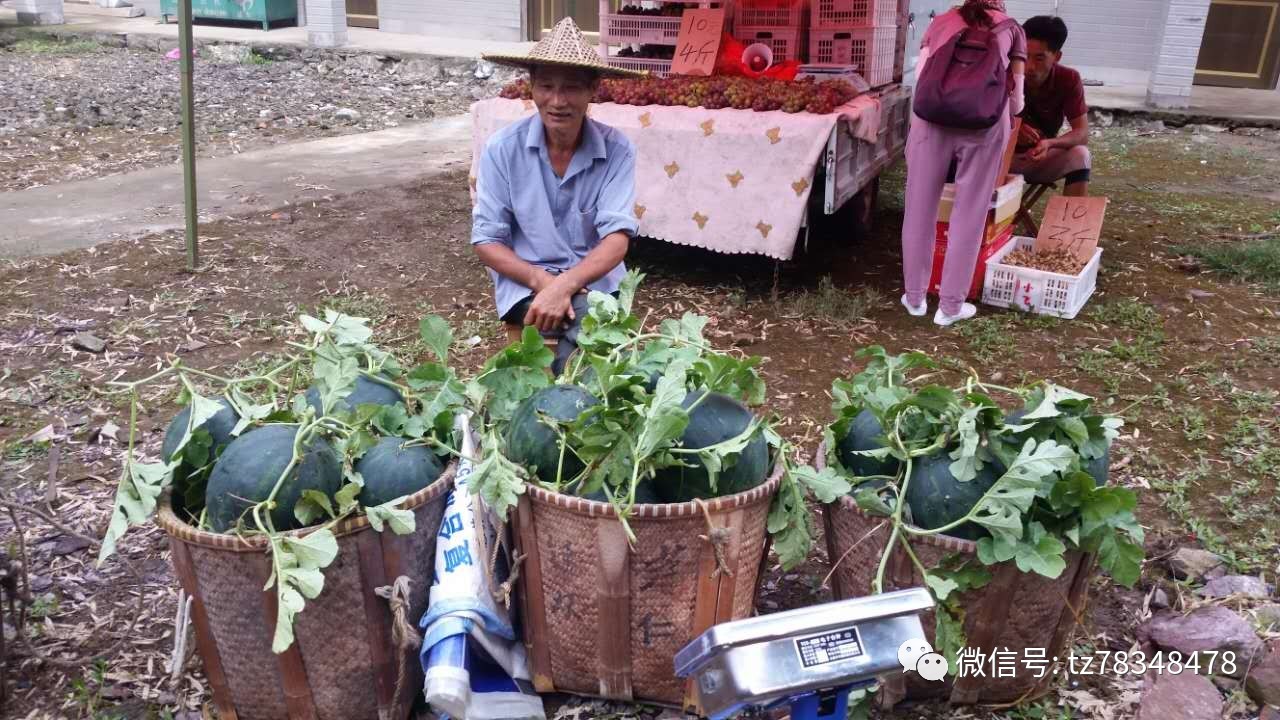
619,29
858,33
782,25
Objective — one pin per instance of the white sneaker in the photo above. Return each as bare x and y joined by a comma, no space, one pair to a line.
916,310
967,311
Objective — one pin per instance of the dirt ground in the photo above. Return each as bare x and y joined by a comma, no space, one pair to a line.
1188,357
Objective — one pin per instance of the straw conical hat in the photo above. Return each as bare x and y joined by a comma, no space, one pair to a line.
564,46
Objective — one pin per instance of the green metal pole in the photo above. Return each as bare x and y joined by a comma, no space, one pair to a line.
188,134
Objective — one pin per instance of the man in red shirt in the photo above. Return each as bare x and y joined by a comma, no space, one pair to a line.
1054,94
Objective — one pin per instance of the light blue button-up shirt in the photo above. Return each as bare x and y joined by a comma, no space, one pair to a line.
549,221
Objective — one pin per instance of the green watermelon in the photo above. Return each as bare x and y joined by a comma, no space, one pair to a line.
716,419
391,471
862,435
219,428
249,467
936,498
365,392
534,445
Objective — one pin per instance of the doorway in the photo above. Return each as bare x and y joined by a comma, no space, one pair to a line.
1241,45
546,13
362,13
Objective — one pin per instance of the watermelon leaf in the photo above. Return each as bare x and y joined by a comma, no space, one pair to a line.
869,500
347,497
312,506
499,481
139,487
1121,558
401,521
1001,508
940,585
437,336
1040,553
296,565
948,635
790,525
826,485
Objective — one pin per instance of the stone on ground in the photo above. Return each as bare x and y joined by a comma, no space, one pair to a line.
1229,585
1263,681
1186,696
1194,564
1206,629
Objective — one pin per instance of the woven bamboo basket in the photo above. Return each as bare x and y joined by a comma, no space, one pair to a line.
344,663
1015,611
604,620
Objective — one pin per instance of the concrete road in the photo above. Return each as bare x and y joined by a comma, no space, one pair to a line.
67,216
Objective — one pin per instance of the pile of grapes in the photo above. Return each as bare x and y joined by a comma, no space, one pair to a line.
759,94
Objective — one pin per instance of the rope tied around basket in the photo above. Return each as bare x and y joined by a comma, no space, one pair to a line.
719,539
403,635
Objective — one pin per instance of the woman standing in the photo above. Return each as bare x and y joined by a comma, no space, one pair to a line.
953,134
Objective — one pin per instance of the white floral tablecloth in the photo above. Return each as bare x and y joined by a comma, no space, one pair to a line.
732,181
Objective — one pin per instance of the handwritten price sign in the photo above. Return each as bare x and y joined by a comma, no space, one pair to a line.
1073,224
698,45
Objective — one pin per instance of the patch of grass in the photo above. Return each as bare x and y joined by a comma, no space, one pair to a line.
989,337
1195,425
253,58
832,304
23,451
1254,261
1129,313
41,44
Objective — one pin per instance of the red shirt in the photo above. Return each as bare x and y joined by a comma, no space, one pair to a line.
1061,98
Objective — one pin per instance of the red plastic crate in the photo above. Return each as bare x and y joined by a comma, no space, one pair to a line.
772,13
979,273
845,14
870,49
784,43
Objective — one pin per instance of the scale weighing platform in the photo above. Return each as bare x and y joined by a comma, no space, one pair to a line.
809,658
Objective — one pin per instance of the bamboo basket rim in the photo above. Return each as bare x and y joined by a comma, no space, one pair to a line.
846,502
659,511
178,529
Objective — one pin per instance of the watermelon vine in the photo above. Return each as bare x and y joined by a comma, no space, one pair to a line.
1028,486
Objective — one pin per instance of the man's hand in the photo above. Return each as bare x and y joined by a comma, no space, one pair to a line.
552,305
1028,136
1038,153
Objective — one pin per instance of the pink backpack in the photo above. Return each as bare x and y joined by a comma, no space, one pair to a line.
965,83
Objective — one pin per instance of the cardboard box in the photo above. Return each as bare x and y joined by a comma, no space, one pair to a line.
1005,201
991,232
988,251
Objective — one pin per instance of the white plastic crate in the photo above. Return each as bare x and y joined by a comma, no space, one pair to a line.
772,13
785,43
845,14
658,66
1037,291
871,50
618,29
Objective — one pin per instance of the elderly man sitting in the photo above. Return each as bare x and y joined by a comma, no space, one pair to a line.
555,195
1054,93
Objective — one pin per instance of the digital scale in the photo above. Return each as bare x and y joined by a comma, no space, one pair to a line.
809,658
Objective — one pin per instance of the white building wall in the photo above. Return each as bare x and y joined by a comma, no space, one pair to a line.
478,19
1176,54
